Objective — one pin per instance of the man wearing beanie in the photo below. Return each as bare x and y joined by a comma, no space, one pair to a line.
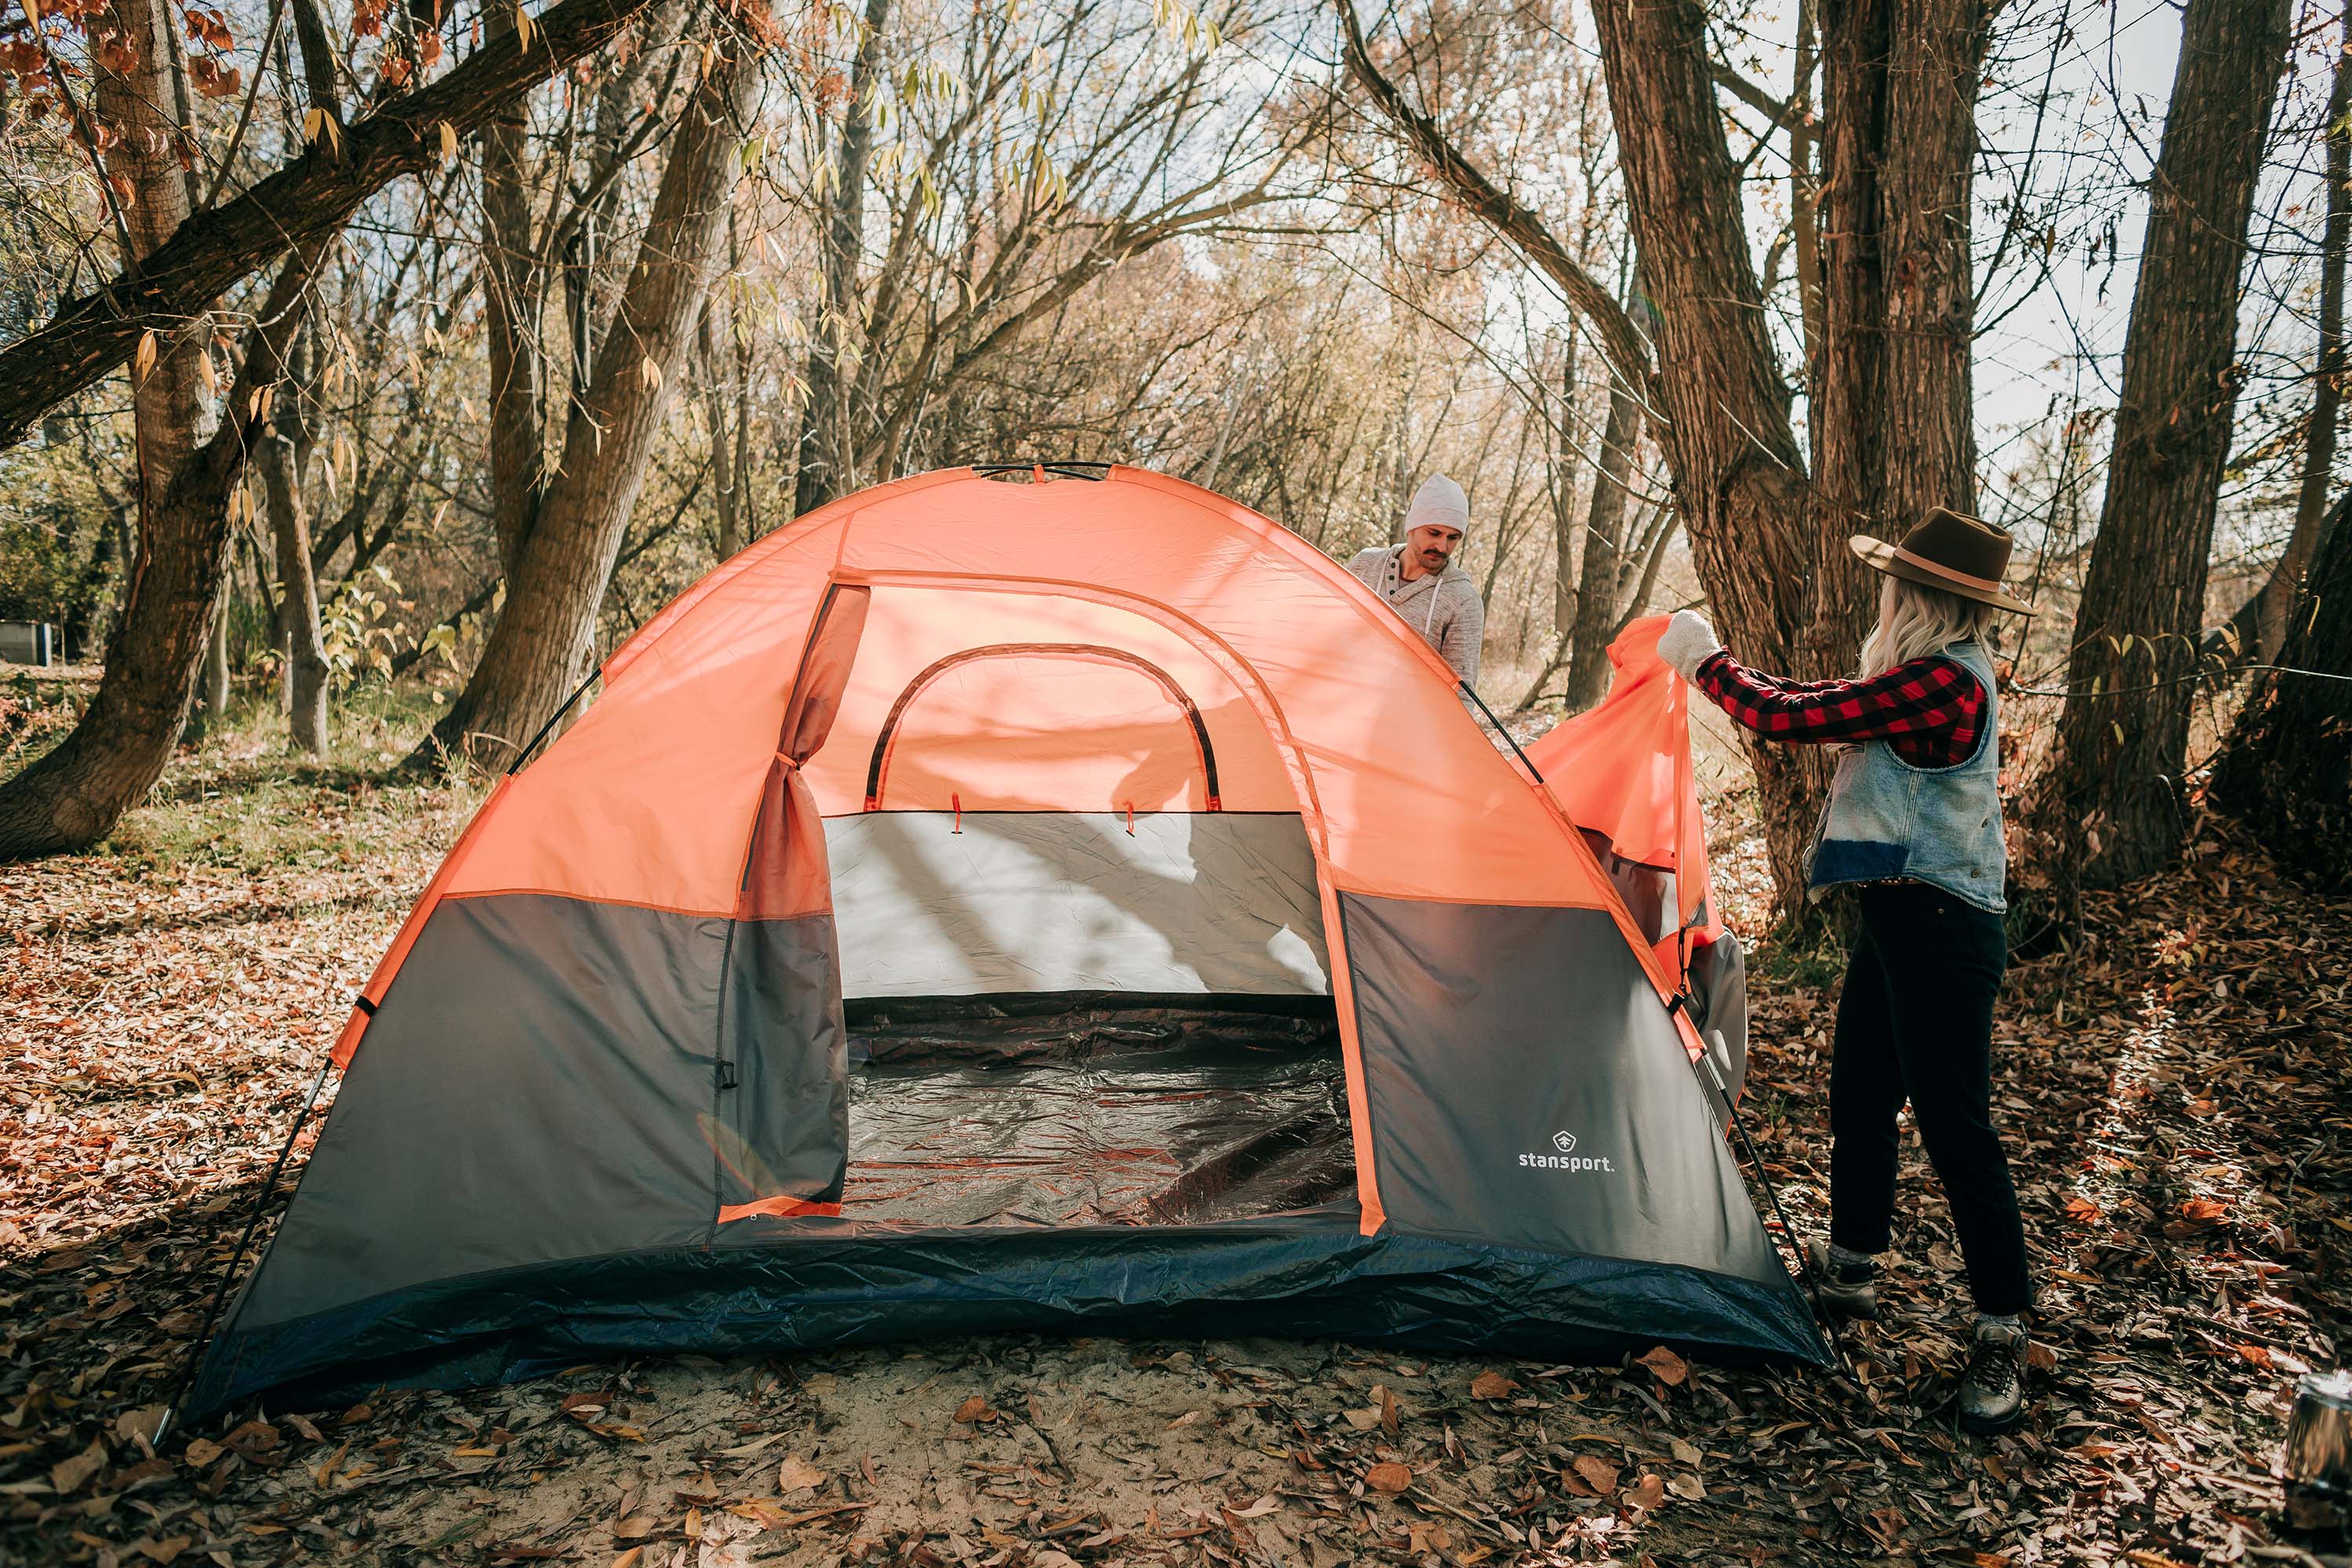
1420,582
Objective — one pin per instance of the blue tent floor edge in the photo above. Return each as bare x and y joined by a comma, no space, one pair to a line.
1304,1276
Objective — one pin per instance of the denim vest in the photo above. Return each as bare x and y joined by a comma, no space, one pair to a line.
1888,820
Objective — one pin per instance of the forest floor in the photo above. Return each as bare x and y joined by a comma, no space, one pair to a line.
2176,1089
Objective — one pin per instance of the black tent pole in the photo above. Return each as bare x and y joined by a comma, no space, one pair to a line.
1773,1197
1489,713
253,1222
552,719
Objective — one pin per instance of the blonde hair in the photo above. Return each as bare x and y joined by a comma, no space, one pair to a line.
1915,620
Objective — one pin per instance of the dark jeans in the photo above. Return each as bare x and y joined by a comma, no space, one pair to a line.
1915,1022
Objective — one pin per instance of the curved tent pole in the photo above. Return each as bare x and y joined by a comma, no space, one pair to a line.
552,720
1507,740
229,1276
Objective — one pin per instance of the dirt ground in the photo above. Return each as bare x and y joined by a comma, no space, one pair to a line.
2175,1086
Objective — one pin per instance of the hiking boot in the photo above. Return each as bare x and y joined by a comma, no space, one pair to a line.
1847,1291
1992,1390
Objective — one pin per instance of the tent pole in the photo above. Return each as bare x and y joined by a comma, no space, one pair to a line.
1489,713
253,1222
552,719
1772,1195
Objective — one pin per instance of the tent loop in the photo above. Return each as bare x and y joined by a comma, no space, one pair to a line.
253,1222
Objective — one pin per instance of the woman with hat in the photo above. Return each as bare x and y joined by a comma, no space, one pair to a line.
1914,823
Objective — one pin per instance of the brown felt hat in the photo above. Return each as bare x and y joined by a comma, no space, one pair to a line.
1956,553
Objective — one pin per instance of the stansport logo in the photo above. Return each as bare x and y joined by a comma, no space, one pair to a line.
1566,1158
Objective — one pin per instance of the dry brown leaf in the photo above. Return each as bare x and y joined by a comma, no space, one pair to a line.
1666,1366
69,1475
973,1411
798,1475
1258,1510
1492,1386
1598,1473
1388,1478
631,1558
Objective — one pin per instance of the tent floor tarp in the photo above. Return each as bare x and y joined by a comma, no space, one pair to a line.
1095,1114
815,1282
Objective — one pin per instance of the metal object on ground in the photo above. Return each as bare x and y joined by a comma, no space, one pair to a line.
28,642
2318,1460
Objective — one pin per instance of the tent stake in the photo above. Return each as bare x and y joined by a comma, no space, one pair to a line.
1772,1195
252,1223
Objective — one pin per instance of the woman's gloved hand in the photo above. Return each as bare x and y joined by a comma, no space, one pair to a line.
1688,642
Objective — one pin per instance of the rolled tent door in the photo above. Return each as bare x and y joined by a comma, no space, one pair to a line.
780,1115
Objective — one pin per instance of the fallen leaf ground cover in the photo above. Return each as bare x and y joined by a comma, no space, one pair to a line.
2174,1086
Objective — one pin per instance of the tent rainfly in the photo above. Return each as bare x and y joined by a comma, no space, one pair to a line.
1003,900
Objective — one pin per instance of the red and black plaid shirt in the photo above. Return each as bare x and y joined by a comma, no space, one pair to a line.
1928,710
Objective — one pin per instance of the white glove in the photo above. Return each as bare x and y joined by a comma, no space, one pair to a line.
1688,642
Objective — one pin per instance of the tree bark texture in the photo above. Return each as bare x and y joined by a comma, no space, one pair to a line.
546,630
2286,768
828,442
1893,427
2112,806
307,200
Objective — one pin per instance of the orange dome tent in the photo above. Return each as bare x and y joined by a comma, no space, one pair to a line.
987,904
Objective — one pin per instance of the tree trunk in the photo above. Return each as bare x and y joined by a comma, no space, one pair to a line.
172,597
1804,190
1559,471
546,630
2260,624
512,303
1740,480
723,447
828,442
283,461
2112,807
2286,768
1600,582
216,652
1893,431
